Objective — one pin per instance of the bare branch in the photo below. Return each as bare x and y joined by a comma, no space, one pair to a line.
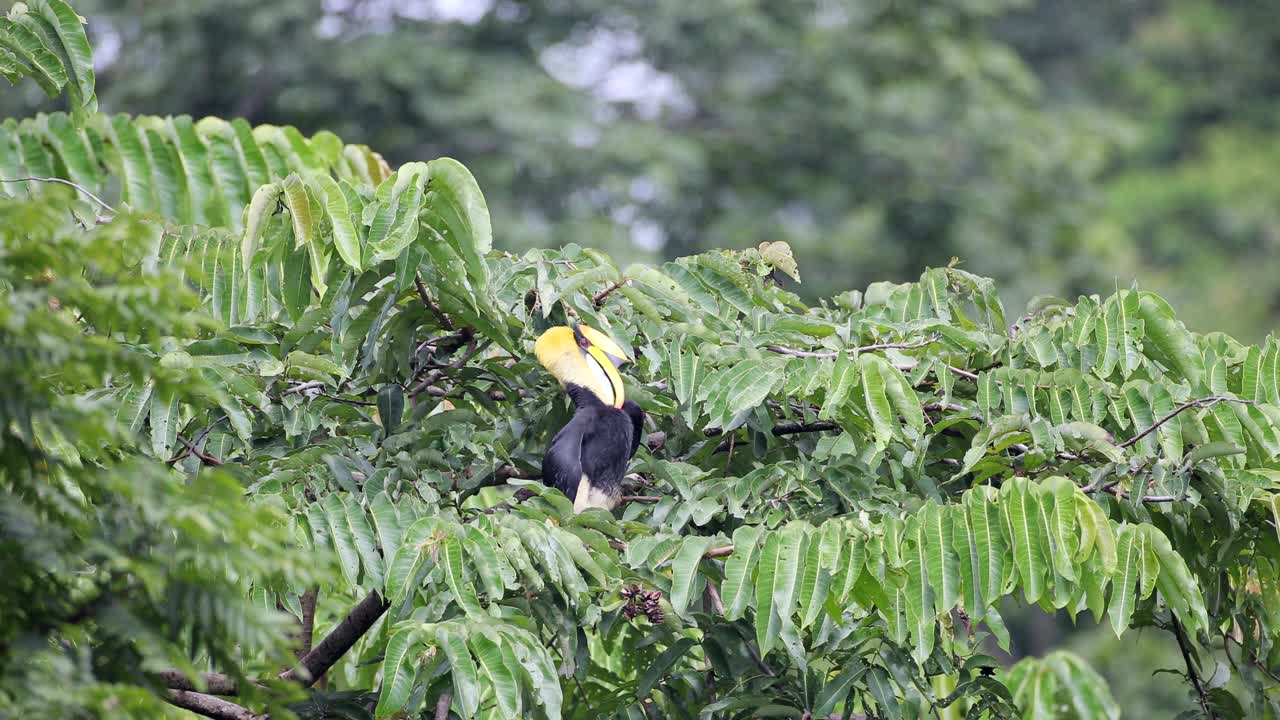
214,683
307,631
210,706
191,448
718,552
641,498
600,297
1207,402
199,439
316,663
1185,646
68,183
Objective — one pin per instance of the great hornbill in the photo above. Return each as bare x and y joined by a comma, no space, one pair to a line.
588,457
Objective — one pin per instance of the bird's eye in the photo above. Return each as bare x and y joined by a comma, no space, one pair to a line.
584,342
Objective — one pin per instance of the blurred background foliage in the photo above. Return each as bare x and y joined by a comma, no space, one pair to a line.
1058,146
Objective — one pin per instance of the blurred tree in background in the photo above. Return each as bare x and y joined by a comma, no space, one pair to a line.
1049,144
874,139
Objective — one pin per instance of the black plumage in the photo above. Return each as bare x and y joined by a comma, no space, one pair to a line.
597,442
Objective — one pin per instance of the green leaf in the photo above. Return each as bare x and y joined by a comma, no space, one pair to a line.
164,421
1174,346
837,688
398,671
664,662
738,569
1020,509
684,571
943,567
843,379
496,676
335,515
876,400
365,543
1124,586
463,673
345,238
391,407
463,591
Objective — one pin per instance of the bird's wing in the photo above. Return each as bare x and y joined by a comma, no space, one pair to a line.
562,464
606,448
634,412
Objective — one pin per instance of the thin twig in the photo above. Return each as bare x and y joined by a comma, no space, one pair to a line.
864,348
443,319
303,387
641,498
199,439
348,401
600,297
307,630
209,706
432,377
1185,646
68,183
213,683
1207,402
191,448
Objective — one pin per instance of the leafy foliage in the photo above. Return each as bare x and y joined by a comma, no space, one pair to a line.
836,497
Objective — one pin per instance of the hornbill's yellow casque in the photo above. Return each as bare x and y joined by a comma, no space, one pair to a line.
588,457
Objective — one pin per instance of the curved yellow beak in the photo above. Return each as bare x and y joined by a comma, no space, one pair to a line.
582,355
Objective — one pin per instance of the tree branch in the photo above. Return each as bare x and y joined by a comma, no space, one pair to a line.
307,631
316,663
214,683
1207,402
1185,646
864,348
600,297
435,310
192,449
68,183
209,706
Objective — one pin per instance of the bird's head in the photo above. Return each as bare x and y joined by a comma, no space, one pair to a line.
582,355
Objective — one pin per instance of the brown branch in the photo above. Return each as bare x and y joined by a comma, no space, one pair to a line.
1185,646
641,498
718,552
68,183
1207,402
443,319
655,440
191,448
600,297
199,439
713,597
316,663
307,630
214,683
209,706
432,377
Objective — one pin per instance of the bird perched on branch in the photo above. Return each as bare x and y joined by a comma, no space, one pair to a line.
588,457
